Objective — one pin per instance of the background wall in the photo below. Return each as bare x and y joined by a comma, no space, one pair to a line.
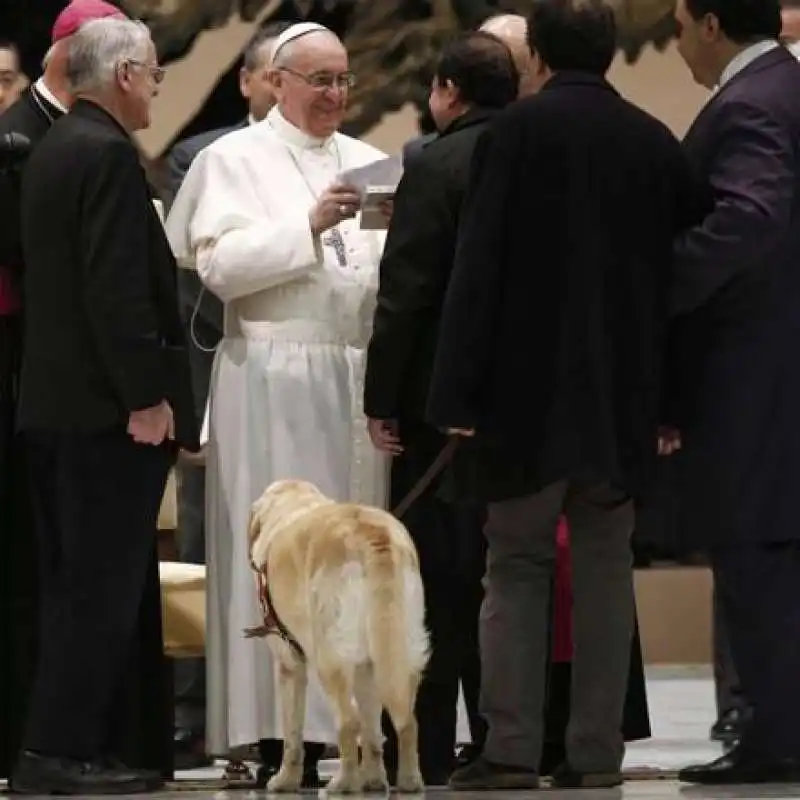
658,82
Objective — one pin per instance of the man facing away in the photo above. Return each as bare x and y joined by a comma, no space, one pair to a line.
104,403
549,365
202,313
736,302
512,30
275,234
474,79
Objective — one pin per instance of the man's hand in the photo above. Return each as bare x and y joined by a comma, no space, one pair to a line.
386,207
669,441
197,459
467,433
383,433
337,203
152,425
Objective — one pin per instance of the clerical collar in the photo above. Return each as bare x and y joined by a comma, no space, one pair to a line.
293,135
745,58
47,95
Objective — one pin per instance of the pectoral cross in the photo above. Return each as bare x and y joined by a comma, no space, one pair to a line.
335,240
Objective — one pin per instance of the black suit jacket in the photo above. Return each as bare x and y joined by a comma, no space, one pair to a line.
103,336
31,116
552,335
736,378
416,145
415,269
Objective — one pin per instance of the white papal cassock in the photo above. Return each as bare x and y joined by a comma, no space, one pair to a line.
287,382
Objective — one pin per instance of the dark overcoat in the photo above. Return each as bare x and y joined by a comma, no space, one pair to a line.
736,378
552,336
31,117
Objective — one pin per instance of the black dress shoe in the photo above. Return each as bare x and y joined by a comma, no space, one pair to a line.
466,754
738,766
37,774
190,750
153,780
728,728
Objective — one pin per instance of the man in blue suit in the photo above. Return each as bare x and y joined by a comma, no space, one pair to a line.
203,315
736,306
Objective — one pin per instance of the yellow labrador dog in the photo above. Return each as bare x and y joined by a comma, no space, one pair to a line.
343,580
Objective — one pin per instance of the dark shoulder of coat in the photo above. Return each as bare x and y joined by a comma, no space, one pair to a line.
25,119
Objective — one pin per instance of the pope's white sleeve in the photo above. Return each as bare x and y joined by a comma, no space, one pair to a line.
237,247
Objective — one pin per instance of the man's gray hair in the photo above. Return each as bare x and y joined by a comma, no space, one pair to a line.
99,47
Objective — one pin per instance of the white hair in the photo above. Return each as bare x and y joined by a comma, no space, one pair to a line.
98,48
48,56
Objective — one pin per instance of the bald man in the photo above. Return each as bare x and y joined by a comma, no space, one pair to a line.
512,30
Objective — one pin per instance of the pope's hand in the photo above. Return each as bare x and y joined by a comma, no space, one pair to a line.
338,202
152,425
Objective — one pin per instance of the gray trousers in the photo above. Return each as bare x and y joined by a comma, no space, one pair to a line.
514,625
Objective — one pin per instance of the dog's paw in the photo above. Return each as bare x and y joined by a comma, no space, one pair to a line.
285,781
375,784
345,783
410,782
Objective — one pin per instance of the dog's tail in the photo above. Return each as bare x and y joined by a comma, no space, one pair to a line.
398,640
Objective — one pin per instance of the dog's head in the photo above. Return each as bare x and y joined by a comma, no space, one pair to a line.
282,501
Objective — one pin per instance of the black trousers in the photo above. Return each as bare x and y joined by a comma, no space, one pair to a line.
452,553
190,673
96,500
759,590
728,687
18,567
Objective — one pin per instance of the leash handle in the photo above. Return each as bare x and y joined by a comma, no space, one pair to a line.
439,463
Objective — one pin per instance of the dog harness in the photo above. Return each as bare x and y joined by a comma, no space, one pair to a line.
272,624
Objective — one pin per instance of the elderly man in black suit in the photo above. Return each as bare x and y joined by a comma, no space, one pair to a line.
143,728
549,365
736,301
105,402
202,313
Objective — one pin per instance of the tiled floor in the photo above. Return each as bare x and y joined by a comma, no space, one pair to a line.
681,709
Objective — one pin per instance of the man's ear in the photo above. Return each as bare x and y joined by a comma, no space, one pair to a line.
244,83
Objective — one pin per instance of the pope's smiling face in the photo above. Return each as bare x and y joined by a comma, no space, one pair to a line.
312,81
